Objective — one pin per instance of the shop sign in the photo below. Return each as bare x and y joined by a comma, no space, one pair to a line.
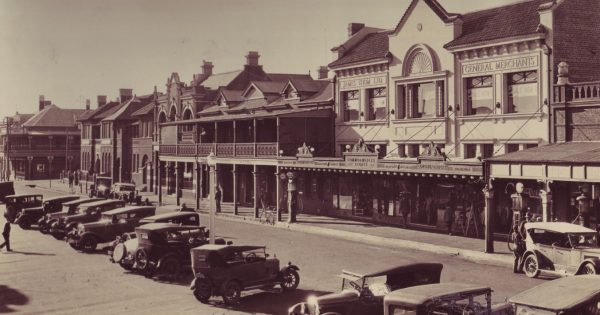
500,65
354,84
362,161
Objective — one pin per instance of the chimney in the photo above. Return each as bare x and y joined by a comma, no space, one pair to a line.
353,28
252,58
42,103
207,68
125,95
101,100
87,104
323,72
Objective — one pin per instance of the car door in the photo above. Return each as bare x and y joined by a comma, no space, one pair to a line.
562,253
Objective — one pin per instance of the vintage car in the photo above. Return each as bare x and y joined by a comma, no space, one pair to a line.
88,212
6,189
559,249
130,242
579,295
226,270
443,299
30,216
363,293
164,248
112,223
101,187
16,203
122,191
68,208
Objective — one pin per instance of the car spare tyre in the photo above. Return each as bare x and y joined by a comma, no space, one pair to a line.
119,252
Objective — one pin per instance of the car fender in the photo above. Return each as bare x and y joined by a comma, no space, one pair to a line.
289,266
22,216
196,278
163,258
91,234
595,261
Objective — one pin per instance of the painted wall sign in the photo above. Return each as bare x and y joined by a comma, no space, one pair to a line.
353,84
501,65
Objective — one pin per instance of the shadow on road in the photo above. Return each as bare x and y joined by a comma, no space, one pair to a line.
337,223
10,296
30,253
254,301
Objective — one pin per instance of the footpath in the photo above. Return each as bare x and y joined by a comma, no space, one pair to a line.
471,249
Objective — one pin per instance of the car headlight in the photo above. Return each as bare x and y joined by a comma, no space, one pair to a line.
80,228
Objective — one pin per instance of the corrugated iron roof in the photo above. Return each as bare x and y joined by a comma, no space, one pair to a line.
570,152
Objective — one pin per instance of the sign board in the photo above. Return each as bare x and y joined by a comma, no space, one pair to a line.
354,84
516,63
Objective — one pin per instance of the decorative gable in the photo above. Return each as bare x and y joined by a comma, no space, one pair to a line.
252,92
290,92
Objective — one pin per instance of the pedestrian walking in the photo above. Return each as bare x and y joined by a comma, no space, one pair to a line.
70,179
76,178
6,235
218,195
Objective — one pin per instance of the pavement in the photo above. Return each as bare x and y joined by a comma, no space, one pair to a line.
471,249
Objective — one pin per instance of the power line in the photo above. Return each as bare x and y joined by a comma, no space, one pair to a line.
521,127
471,131
411,137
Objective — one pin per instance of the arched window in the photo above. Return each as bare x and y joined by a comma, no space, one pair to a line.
172,113
420,63
162,118
187,115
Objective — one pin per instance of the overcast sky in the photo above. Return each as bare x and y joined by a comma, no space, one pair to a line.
70,50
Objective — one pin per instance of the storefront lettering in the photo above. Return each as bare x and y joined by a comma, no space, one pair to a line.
363,82
501,65
368,163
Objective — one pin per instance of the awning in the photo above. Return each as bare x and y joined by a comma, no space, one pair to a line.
572,161
294,112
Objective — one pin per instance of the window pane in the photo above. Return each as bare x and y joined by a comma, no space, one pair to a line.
523,92
480,96
425,98
377,104
351,106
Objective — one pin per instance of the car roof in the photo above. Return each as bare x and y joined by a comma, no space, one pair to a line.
127,209
170,215
103,202
159,227
559,227
82,200
61,197
572,291
421,294
227,249
23,195
404,268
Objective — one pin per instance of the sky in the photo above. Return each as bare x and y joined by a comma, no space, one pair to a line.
73,50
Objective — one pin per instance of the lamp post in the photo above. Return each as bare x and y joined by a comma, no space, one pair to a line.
211,161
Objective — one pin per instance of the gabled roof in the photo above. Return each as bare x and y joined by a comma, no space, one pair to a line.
305,85
146,109
21,118
232,95
129,107
54,116
109,111
513,20
324,95
92,114
435,7
373,47
284,77
269,87
218,80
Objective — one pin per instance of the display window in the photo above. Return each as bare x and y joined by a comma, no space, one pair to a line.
377,104
523,92
351,103
480,95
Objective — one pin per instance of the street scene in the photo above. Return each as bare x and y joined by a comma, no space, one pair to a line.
405,157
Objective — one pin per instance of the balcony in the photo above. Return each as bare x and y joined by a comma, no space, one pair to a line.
261,150
577,92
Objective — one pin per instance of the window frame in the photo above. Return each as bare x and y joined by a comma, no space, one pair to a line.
469,86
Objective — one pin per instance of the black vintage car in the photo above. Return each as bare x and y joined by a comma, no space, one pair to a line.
227,270
30,216
164,248
16,203
68,208
364,293
6,189
88,212
129,241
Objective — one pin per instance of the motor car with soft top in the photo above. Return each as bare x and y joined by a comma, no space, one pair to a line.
88,212
122,191
68,208
560,249
444,299
29,216
578,295
16,203
112,223
164,248
181,218
227,270
363,293
6,189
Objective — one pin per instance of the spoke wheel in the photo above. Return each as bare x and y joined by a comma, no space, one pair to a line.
44,228
232,293
290,279
25,223
203,291
89,244
531,266
141,259
589,269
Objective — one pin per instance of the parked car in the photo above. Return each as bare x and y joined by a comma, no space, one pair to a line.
227,270
68,208
122,191
181,218
16,203
88,212
30,216
164,248
363,293
579,295
559,249
101,187
6,189
443,299
112,223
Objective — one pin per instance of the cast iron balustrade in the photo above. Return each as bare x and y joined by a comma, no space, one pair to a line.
577,92
204,149
186,150
244,149
222,149
266,149
225,149
168,149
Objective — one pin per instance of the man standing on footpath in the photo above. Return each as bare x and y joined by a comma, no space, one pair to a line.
6,235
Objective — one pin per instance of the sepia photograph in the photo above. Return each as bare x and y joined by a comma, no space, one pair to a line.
300,157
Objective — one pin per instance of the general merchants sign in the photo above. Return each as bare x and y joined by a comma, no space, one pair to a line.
500,65
354,84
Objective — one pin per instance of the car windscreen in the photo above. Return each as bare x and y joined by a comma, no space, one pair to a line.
588,240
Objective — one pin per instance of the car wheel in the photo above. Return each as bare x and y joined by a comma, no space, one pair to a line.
588,269
58,236
290,279
232,293
119,252
75,246
203,291
170,267
127,267
141,259
44,228
531,266
25,223
88,244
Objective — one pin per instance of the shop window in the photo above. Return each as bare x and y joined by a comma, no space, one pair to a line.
377,104
480,95
512,147
424,100
523,92
351,103
487,150
413,150
470,151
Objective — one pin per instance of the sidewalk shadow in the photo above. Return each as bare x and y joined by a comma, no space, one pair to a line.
337,223
253,302
10,296
30,254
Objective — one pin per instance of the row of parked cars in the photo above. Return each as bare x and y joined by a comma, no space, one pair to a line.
154,245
